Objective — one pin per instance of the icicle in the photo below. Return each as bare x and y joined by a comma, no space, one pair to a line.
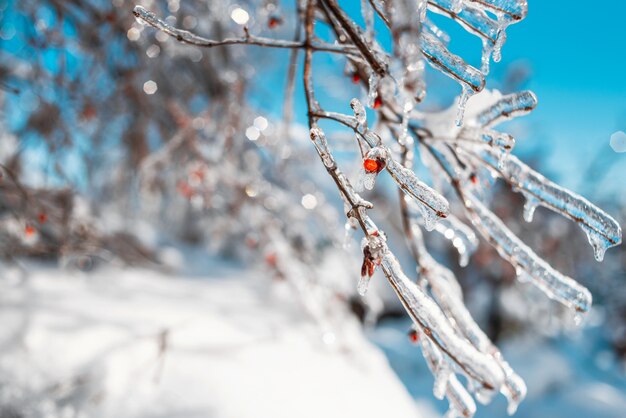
598,243
366,180
431,203
364,282
372,94
529,207
442,375
359,112
460,401
465,94
497,48
486,56
507,107
514,389
484,396
556,285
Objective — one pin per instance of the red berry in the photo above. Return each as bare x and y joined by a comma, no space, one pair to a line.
373,166
88,112
185,189
29,230
378,102
270,259
274,21
356,78
42,217
474,179
413,336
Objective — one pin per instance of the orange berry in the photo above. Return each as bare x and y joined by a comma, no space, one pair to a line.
378,102
370,166
270,259
29,230
373,166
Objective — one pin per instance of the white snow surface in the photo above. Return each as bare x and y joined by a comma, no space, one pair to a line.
139,343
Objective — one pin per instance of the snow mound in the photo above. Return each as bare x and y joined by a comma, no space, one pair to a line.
137,343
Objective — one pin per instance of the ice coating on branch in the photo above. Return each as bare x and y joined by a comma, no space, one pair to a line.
442,377
556,285
359,112
321,145
602,230
509,106
350,197
448,294
456,5
472,19
477,22
432,205
372,93
460,401
509,9
452,65
431,320
503,142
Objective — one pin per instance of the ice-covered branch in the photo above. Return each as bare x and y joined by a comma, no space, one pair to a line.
187,37
529,265
602,230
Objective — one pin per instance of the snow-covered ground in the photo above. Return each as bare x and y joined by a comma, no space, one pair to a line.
571,376
139,343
